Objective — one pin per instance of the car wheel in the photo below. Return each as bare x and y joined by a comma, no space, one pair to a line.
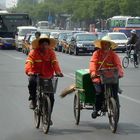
76,51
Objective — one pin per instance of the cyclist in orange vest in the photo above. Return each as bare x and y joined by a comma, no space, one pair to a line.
104,57
41,60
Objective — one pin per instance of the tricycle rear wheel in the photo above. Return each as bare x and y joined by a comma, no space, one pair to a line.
77,108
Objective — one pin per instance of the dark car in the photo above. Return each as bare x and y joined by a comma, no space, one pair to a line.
7,43
82,43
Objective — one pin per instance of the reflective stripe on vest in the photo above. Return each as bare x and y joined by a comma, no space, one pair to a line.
108,64
38,61
29,61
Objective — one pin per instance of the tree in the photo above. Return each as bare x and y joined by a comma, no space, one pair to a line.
130,7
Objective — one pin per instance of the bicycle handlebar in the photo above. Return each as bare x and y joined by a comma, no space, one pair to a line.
39,75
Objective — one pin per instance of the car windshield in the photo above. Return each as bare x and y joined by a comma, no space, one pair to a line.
62,36
117,37
23,32
86,37
69,38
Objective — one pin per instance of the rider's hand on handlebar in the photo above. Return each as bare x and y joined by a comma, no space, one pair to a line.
94,76
30,73
59,74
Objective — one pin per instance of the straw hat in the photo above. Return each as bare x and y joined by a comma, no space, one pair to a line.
35,42
97,43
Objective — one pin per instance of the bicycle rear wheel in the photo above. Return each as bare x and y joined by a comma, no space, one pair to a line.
46,114
37,114
125,62
113,114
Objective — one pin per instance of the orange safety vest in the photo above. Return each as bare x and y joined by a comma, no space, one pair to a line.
45,64
97,62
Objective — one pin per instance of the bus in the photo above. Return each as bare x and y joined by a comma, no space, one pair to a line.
10,21
123,24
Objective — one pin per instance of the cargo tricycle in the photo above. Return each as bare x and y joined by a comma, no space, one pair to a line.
84,97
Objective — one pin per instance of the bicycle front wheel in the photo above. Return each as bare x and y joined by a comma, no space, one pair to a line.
46,114
113,114
37,114
125,62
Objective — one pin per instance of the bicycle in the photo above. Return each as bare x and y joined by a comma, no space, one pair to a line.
42,112
109,78
129,58
85,98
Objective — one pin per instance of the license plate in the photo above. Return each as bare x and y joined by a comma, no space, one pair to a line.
80,49
90,48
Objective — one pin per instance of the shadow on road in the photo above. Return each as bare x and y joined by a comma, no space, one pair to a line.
128,129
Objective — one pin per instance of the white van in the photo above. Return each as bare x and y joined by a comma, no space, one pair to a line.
20,33
42,25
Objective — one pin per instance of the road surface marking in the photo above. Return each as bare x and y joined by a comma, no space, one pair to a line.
69,76
131,99
14,57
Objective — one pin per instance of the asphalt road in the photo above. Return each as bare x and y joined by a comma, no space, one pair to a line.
16,119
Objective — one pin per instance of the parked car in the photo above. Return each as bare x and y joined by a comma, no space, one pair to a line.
82,43
20,33
63,40
7,43
120,39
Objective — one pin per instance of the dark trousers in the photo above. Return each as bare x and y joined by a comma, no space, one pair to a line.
135,56
32,86
99,89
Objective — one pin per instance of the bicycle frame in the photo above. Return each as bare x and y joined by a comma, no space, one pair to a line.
108,93
129,58
45,87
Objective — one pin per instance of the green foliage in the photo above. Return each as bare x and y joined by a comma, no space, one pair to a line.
80,10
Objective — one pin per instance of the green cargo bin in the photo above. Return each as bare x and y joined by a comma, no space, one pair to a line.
83,81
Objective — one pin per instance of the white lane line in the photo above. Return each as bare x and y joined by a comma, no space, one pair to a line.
69,76
14,57
131,99
72,74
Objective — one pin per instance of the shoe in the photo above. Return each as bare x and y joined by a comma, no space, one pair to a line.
136,63
32,105
120,91
94,114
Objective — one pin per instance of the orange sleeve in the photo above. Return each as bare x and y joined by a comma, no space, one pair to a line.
118,64
54,62
29,62
93,63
